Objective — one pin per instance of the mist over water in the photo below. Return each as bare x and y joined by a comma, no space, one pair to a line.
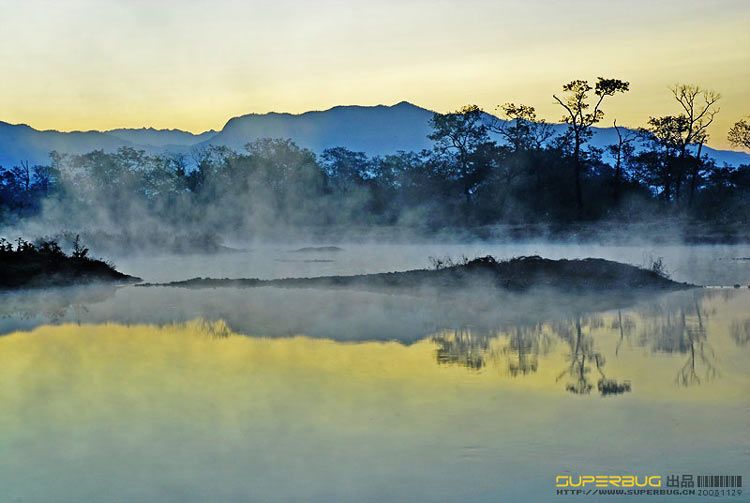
714,265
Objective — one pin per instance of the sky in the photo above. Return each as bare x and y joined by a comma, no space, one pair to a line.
193,64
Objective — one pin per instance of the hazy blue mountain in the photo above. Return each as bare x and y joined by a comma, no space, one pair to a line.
608,136
375,130
161,138
19,142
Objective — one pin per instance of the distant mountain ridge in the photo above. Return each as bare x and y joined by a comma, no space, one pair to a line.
160,138
375,130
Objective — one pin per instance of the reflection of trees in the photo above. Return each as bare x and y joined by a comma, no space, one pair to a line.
625,326
676,323
524,346
680,328
740,332
688,375
462,347
53,304
214,329
472,349
695,336
582,356
525,343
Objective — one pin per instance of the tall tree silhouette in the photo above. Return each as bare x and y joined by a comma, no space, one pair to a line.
622,151
577,102
460,134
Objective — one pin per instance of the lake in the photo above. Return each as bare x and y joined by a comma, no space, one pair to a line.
269,394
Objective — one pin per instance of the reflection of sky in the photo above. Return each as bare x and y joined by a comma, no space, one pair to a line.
178,413
194,64
648,339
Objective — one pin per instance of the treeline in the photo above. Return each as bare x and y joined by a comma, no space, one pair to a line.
479,172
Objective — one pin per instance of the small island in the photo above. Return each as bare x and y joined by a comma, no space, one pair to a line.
516,274
45,264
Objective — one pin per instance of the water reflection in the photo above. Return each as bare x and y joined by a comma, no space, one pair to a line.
197,412
625,326
740,331
462,347
578,344
520,348
51,305
582,355
525,344
675,324
679,327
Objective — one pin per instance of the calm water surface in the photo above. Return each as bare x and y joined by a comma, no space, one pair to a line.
132,394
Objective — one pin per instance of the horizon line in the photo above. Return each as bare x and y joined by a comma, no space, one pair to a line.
299,114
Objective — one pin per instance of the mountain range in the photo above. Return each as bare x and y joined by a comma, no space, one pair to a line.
375,130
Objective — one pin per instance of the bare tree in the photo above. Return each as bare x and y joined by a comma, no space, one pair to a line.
676,134
699,106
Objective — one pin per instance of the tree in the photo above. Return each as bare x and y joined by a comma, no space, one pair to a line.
579,120
44,178
460,134
345,167
622,151
699,106
677,133
79,251
282,163
286,175
522,130
657,165
164,176
739,134
23,174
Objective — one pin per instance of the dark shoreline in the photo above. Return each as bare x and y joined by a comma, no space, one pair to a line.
71,275
44,265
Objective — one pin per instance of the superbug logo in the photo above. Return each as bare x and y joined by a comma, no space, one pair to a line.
582,481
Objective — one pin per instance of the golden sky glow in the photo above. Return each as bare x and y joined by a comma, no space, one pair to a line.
83,64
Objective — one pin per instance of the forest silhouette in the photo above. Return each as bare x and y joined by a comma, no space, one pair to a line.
479,172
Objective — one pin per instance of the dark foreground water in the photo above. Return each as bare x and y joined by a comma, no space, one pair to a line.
165,395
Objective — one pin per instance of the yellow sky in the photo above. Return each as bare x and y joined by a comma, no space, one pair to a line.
84,64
